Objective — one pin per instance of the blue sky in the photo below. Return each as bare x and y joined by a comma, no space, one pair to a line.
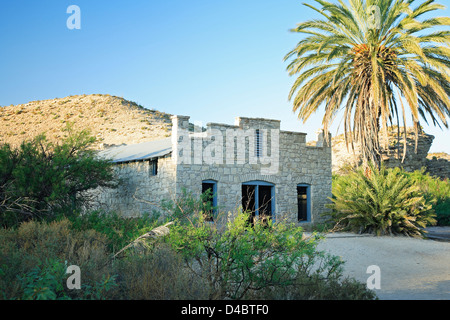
212,60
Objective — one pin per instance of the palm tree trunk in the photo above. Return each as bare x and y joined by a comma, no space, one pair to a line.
370,144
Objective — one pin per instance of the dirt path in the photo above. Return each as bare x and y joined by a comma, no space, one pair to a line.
410,268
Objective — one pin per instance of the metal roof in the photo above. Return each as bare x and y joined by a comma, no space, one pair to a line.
138,152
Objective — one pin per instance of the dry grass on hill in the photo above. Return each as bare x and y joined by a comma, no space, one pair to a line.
112,120
439,155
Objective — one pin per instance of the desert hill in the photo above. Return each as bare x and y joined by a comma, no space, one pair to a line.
113,120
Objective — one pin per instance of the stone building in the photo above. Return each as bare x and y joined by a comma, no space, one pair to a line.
251,164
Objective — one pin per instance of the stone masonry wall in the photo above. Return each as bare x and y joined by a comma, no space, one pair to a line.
138,192
297,164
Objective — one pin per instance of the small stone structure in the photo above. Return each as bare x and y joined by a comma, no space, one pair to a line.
250,164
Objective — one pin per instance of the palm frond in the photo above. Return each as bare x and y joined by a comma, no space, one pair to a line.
344,63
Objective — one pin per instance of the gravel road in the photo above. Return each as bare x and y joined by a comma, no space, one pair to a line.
410,268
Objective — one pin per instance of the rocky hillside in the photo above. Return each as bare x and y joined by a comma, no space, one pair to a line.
113,120
392,152
437,164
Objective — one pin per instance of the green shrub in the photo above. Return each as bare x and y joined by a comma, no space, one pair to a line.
316,287
49,283
227,259
45,283
188,206
381,201
33,259
119,230
236,260
435,191
40,180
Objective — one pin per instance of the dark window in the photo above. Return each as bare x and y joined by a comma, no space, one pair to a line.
153,167
248,200
303,202
265,201
209,194
258,143
258,198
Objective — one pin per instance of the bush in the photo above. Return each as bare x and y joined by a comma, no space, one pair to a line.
239,261
44,284
158,275
119,230
435,191
40,180
33,260
227,259
381,201
316,287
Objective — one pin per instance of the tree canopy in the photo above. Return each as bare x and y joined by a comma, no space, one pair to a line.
379,62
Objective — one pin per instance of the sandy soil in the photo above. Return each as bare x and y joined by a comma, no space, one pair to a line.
410,268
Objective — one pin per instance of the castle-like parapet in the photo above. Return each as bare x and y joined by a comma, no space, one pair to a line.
180,122
323,141
256,123
253,141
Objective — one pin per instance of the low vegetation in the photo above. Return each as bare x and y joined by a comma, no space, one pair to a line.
389,201
435,191
35,256
238,260
41,180
195,261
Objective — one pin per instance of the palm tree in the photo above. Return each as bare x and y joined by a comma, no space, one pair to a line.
373,60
